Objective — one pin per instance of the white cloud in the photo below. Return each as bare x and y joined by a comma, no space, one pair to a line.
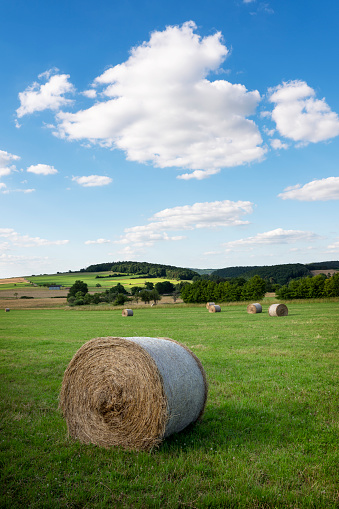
278,236
16,239
198,174
278,144
301,117
91,93
187,217
161,108
317,190
5,163
42,169
2,185
49,95
334,247
98,241
92,181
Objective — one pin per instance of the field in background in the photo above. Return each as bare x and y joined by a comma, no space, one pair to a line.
89,278
268,438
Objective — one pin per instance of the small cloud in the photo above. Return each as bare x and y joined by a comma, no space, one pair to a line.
16,239
42,169
98,241
91,93
301,117
198,174
277,236
278,144
43,96
92,181
318,190
6,159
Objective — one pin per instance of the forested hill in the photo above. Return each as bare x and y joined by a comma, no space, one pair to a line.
144,268
280,274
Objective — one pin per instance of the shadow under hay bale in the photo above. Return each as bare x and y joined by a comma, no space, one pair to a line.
254,308
208,304
131,392
214,309
278,310
127,312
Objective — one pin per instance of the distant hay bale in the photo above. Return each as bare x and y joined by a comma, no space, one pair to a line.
7,310
131,392
127,312
214,309
208,304
278,310
254,308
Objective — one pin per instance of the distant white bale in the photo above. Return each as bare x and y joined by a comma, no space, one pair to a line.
127,312
214,309
7,310
254,308
278,310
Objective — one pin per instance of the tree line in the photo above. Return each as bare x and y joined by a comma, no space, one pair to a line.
234,290
145,269
310,288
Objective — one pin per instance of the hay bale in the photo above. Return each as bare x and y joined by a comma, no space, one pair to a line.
254,308
278,310
127,312
208,304
7,310
214,309
131,392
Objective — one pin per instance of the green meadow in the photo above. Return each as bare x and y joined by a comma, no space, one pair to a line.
268,437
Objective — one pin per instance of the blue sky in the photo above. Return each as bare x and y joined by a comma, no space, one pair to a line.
196,134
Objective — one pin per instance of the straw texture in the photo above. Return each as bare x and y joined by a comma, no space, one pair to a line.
214,309
127,312
254,308
278,310
131,392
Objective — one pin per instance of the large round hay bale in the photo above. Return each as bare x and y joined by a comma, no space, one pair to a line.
127,312
214,309
278,310
254,308
131,392
208,304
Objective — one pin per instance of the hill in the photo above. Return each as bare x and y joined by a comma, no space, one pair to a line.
280,274
144,268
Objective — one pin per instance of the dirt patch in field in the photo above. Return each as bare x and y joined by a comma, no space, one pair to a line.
32,303
13,280
323,271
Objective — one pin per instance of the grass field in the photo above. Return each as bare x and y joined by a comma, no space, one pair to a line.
268,438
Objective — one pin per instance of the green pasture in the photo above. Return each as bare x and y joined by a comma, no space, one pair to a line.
68,279
268,438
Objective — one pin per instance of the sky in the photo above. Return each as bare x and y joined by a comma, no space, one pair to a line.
196,134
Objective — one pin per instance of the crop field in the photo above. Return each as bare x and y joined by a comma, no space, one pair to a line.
268,437
68,279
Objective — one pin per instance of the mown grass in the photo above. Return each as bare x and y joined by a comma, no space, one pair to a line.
268,438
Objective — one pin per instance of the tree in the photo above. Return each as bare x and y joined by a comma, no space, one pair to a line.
154,295
253,289
145,296
149,285
79,286
164,287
